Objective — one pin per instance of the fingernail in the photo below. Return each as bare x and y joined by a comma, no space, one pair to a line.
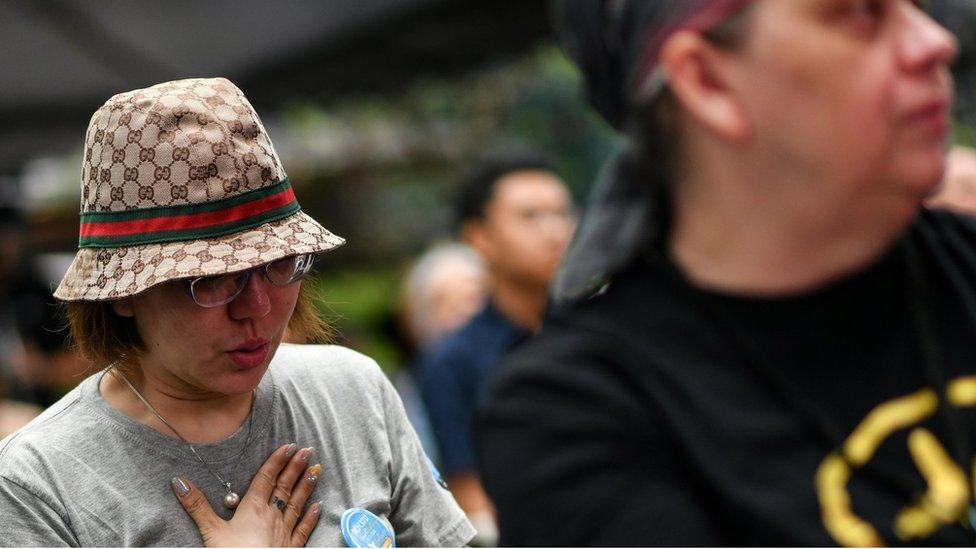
180,486
314,472
305,454
317,507
290,449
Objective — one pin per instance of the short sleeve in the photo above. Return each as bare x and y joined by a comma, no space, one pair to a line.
27,521
424,512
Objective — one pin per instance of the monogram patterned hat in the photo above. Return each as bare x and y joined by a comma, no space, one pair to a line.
180,180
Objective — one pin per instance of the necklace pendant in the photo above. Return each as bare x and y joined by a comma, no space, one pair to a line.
231,499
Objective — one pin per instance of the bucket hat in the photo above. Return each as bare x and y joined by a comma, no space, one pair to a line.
181,180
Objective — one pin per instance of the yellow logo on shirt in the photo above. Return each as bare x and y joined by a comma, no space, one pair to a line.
948,491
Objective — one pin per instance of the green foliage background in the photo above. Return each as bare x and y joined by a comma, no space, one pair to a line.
382,172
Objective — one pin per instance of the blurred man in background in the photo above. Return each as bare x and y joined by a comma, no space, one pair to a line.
518,215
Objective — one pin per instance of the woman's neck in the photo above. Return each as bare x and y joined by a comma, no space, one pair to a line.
199,418
780,237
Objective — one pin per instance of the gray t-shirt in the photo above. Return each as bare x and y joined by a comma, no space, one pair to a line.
84,474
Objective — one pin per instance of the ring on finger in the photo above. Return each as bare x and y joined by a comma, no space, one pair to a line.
279,503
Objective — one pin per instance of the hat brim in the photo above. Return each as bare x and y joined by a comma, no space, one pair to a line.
99,274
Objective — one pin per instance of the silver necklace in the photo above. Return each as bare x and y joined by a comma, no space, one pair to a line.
231,498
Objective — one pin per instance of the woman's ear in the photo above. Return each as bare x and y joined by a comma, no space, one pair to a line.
697,75
123,307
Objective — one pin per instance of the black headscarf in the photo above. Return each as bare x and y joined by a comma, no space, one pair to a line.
616,44
605,40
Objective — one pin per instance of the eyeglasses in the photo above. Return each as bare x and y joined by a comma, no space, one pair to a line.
214,291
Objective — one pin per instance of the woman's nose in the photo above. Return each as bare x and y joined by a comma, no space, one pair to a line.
253,301
925,44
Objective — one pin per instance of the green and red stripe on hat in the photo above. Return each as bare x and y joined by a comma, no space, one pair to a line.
109,229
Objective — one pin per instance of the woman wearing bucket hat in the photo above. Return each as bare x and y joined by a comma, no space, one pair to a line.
762,338
191,251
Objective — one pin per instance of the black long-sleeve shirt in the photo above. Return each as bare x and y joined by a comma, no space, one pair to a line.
657,413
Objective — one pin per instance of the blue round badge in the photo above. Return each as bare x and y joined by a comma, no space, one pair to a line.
360,528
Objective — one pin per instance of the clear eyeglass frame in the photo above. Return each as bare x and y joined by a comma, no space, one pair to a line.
214,291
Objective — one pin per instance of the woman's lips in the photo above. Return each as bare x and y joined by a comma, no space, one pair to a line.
934,117
249,354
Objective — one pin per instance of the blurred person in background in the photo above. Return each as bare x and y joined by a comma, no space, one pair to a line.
15,414
518,215
192,252
958,191
23,301
37,365
761,336
442,290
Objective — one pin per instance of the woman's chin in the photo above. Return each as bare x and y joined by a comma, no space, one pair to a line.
925,178
241,381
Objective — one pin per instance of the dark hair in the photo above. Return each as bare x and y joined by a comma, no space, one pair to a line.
655,132
11,217
478,186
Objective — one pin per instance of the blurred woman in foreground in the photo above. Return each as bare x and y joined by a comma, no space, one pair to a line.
763,337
